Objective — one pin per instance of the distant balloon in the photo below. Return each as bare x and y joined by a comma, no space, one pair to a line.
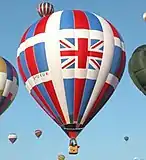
12,137
45,9
61,157
137,68
144,16
8,84
38,133
126,138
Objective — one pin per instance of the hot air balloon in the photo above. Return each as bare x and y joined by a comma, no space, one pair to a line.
61,157
45,9
137,68
38,133
126,138
12,137
8,84
144,16
71,62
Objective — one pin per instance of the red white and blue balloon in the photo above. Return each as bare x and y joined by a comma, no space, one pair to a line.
71,62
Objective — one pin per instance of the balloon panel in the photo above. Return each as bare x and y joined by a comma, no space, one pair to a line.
71,67
8,84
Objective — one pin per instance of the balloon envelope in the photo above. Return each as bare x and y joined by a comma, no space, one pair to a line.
12,137
61,157
38,133
8,84
137,68
71,63
45,9
126,138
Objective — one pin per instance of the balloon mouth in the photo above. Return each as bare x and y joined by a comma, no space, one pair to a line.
72,130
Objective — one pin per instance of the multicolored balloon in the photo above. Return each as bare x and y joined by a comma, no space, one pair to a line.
71,63
61,157
38,133
45,9
12,137
8,84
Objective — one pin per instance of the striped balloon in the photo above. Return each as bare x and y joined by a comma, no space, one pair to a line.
71,63
38,133
45,9
61,157
12,137
8,84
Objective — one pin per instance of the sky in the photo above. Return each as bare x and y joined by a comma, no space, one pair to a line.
123,115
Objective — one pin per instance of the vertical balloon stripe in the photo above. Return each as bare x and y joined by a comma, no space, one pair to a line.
22,73
15,75
9,71
31,30
41,60
120,70
68,83
116,60
94,23
14,72
40,28
50,89
67,24
80,20
23,63
69,91
89,85
3,75
52,47
30,60
79,88
43,106
82,54
100,101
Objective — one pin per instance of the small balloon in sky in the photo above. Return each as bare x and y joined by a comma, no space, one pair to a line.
38,133
12,137
144,16
61,157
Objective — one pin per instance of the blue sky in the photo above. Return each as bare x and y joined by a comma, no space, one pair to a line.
124,114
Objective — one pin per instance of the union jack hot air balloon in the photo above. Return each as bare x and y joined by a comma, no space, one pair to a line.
71,62
8,84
